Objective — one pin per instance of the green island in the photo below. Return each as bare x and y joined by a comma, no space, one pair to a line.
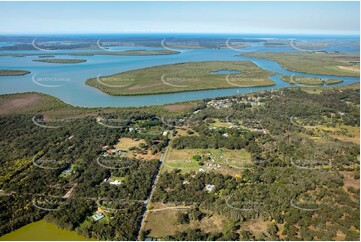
13,72
322,63
127,53
61,61
257,166
46,56
42,230
303,80
189,76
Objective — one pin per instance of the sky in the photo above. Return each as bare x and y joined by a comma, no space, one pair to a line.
331,18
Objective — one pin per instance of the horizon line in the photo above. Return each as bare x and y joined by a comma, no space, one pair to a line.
189,33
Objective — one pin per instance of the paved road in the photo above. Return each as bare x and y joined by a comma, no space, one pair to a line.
142,225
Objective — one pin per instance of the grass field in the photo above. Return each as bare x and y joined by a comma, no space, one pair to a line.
223,161
219,124
344,133
41,230
13,72
312,81
126,143
164,222
352,134
61,61
338,64
180,77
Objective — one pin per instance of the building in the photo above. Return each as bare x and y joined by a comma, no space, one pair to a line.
67,171
112,151
209,187
116,182
98,216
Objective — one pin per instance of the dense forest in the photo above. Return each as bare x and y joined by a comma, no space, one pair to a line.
34,159
296,182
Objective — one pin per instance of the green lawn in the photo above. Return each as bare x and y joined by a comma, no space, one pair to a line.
41,230
180,77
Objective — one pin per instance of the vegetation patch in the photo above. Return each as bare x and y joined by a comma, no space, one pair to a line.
190,76
13,72
208,160
42,230
315,63
309,80
61,61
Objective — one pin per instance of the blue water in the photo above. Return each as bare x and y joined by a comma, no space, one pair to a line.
228,72
67,82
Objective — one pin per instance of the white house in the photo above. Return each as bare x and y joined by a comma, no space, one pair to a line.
209,188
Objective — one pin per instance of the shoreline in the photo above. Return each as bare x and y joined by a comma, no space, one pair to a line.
61,102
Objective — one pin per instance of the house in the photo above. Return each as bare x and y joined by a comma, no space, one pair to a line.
150,239
209,187
201,170
67,171
98,216
112,151
116,182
